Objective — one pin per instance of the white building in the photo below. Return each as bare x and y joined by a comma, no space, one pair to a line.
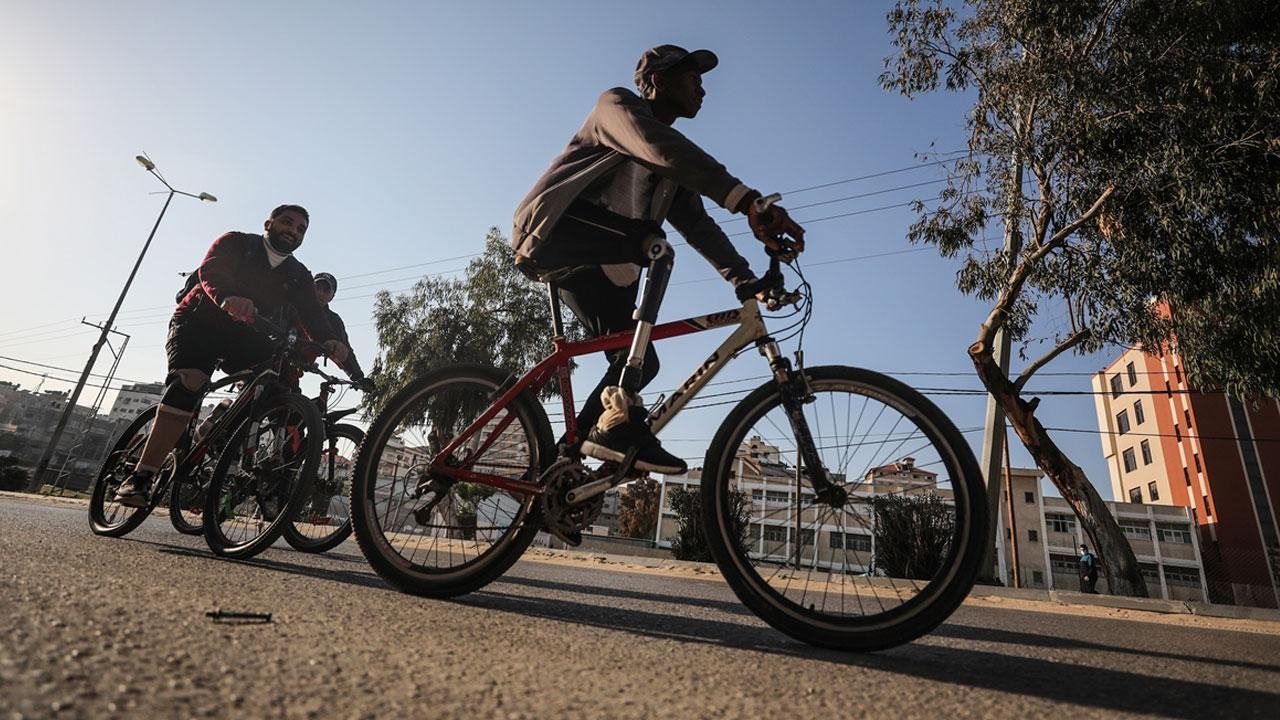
133,399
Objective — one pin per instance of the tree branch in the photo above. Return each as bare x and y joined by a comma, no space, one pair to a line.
1079,222
1075,339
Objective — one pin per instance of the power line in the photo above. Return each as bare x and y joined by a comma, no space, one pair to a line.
55,367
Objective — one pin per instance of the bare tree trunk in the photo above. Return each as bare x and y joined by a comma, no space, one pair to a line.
1124,577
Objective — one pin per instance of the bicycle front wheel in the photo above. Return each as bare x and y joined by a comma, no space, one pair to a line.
884,567
325,519
429,534
262,476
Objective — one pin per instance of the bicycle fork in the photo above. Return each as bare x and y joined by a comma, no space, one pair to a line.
793,387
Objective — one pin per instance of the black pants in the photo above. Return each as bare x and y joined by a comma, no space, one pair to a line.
586,238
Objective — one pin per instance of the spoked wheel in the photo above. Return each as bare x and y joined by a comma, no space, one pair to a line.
263,476
882,568
325,518
106,516
187,494
431,535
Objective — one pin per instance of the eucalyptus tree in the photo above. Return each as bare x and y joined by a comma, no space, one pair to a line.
1131,151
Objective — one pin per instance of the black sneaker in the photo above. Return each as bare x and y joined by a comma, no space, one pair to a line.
135,491
613,444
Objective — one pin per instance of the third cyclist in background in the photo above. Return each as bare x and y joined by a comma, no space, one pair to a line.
595,218
326,287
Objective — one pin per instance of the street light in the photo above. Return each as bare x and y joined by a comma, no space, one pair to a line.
43,465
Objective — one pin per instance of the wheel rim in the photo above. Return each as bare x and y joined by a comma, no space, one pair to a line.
883,557
421,524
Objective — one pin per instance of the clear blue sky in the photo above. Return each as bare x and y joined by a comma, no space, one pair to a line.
410,128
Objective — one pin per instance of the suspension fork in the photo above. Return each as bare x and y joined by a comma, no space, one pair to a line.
794,389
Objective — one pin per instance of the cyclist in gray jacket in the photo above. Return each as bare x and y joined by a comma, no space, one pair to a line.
589,221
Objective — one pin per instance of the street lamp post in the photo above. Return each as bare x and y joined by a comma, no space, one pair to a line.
37,477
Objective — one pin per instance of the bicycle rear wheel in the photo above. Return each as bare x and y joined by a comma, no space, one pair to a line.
106,516
431,535
325,518
889,565
262,476
187,494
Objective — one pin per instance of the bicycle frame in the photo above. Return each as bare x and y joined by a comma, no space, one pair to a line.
751,329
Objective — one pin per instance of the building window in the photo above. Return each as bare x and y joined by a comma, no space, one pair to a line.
850,541
1030,497
1196,457
1153,491
1186,415
1169,533
1177,434
1133,374
1182,577
1064,564
1207,511
1122,421
1135,529
1150,573
1187,474
1135,495
1146,452
1060,524
1177,374
1130,461
1037,577
1033,535
774,533
1116,387
1139,417
1167,391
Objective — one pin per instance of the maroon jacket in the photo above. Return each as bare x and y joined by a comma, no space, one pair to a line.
236,266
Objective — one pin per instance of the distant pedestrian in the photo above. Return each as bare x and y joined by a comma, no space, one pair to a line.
1088,571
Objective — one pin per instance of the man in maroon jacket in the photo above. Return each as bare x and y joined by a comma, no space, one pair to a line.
243,276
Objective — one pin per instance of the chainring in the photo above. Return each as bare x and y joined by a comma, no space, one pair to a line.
561,518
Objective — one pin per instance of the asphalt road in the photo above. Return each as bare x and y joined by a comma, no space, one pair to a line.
93,627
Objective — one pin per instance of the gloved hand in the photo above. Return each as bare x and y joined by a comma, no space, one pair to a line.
771,223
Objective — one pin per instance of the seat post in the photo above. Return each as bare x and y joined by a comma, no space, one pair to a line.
557,322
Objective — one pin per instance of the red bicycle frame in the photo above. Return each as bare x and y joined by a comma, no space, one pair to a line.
750,329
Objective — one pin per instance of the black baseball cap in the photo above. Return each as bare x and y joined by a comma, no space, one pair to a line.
325,277
665,57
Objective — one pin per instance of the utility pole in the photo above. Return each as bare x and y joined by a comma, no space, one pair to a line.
87,426
37,477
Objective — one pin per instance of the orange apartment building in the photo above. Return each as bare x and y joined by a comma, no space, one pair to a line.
1169,444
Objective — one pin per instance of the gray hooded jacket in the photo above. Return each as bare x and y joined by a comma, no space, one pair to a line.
622,127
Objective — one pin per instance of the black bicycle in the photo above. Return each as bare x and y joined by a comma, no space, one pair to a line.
325,518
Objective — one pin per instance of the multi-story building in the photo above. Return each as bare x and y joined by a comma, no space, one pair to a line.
133,399
1167,443
1048,536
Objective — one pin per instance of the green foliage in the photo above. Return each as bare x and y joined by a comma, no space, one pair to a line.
1167,113
638,508
690,542
469,495
12,477
492,315
912,534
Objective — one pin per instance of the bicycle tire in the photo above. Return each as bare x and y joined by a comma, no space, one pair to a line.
916,585
438,399
306,534
107,517
187,496
251,499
